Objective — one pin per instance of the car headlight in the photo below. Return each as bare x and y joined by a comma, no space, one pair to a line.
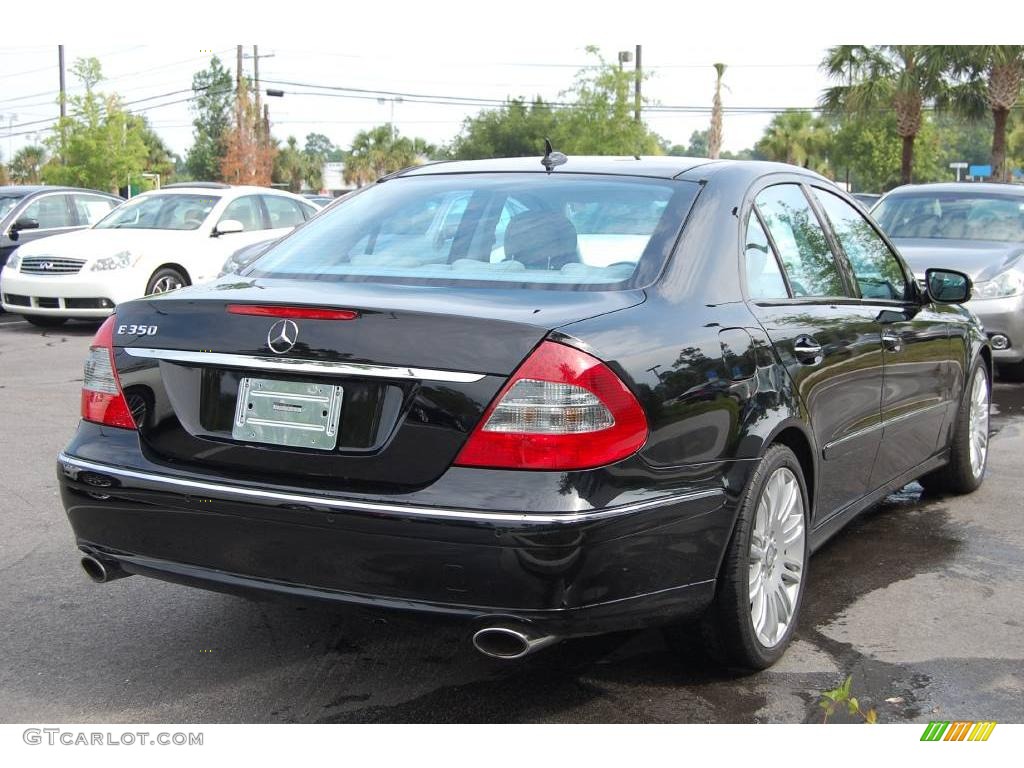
1009,283
121,260
14,260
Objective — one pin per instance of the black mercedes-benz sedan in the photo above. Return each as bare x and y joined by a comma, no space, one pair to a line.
546,400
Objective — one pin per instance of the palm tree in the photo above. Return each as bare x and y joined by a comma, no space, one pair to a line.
27,165
381,151
797,138
986,78
715,134
897,77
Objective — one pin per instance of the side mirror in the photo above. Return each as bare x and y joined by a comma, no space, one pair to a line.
228,227
23,223
947,286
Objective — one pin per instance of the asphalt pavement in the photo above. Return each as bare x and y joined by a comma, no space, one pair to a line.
921,600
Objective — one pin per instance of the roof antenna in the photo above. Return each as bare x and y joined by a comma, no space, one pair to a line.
552,158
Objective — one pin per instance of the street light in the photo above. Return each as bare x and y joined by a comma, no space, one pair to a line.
10,127
381,100
625,57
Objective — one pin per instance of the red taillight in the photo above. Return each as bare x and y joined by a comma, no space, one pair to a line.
562,409
102,399
295,313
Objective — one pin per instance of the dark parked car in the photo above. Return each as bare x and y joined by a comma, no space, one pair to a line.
545,400
29,213
245,256
977,228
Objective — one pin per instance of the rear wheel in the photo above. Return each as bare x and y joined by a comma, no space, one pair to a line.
44,321
969,449
165,279
761,583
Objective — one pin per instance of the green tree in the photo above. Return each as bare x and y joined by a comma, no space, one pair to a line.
26,166
698,146
98,144
380,151
159,158
901,78
798,138
214,115
293,166
594,118
987,79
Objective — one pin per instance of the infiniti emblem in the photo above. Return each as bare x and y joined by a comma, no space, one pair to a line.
46,265
282,336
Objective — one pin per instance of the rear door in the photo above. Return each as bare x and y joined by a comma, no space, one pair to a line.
829,343
918,385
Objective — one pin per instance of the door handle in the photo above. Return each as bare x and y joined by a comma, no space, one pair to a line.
807,350
892,341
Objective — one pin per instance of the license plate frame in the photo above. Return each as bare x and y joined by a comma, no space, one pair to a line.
291,414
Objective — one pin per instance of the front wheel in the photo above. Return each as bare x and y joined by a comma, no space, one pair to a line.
165,279
968,452
761,583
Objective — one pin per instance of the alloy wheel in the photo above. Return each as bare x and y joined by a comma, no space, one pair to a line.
978,422
165,284
776,557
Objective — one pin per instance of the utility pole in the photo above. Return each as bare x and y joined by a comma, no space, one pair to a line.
636,88
60,65
238,90
256,56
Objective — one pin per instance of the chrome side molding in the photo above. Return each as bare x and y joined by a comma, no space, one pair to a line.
71,466
292,365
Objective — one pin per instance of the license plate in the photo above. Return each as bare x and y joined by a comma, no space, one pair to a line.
291,413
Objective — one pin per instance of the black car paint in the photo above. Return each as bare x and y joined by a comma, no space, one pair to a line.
636,542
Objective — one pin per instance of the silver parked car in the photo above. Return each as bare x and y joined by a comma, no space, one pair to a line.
975,228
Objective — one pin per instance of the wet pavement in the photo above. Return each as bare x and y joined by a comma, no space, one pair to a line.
921,600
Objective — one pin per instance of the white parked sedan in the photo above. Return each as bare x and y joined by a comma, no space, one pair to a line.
156,242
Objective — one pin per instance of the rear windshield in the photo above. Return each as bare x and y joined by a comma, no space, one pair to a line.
953,216
558,230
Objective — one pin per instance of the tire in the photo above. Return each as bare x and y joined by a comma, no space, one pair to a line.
969,447
165,279
732,635
44,321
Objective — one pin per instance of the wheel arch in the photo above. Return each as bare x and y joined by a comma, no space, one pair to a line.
794,435
170,265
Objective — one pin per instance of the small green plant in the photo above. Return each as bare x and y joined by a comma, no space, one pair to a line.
840,697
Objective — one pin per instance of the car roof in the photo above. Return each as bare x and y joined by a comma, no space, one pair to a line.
227,190
31,189
977,187
653,166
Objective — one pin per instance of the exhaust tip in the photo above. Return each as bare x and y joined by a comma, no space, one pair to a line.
508,642
95,570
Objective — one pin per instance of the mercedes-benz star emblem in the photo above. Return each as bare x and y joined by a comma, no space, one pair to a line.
282,336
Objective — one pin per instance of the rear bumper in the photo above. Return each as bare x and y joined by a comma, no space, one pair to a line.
569,574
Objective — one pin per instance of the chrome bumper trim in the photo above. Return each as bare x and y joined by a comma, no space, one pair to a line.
71,465
292,365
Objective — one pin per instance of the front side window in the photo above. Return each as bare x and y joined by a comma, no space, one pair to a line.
50,211
7,203
878,272
559,230
150,211
801,242
952,216
245,210
764,279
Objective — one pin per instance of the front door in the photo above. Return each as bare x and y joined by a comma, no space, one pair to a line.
915,343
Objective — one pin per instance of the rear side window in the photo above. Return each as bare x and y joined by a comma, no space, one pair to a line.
92,208
878,272
245,210
283,212
802,246
764,278
558,230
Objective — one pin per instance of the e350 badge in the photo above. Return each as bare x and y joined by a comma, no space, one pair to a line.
136,330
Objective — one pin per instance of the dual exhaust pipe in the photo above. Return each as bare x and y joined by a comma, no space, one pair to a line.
501,641
102,570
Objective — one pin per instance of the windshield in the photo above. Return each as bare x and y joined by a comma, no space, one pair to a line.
953,216
161,212
7,203
556,230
